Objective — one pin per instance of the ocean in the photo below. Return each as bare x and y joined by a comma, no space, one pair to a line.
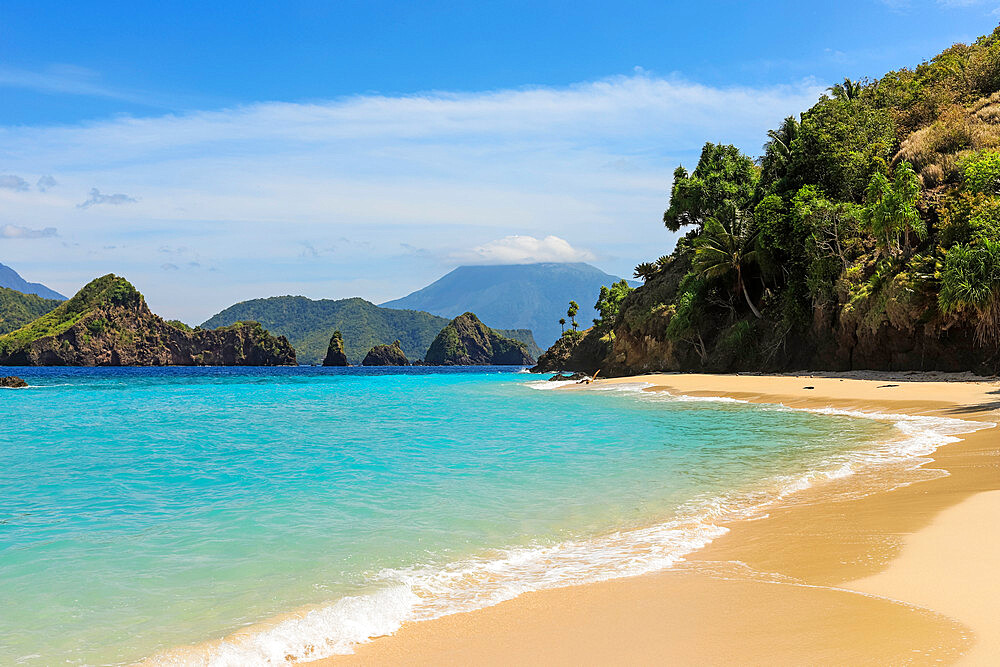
147,509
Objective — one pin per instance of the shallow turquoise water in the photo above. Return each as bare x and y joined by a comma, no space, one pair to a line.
142,509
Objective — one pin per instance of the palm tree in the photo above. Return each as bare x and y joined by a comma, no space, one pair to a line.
891,208
781,139
848,90
645,271
573,309
723,252
562,323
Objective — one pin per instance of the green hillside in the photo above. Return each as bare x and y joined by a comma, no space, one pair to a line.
107,323
17,309
308,325
867,236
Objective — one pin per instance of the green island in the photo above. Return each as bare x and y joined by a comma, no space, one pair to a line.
466,341
866,236
107,323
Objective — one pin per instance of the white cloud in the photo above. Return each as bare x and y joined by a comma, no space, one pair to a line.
441,172
18,232
524,250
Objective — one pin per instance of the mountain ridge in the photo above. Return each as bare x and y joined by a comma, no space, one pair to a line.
513,296
12,279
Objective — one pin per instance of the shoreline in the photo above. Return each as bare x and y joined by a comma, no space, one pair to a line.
792,573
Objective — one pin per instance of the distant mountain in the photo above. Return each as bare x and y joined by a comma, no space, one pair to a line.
308,325
107,323
18,309
516,296
9,278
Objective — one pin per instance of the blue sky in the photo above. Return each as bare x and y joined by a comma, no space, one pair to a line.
212,152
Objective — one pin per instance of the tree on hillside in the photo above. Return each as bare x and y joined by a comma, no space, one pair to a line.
970,283
722,183
645,271
728,252
573,309
778,151
848,90
609,302
562,324
891,208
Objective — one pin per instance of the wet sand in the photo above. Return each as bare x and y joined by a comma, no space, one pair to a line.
906,576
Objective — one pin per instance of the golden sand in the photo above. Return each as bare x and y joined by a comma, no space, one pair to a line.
907,576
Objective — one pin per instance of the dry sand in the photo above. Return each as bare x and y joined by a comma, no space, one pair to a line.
906,576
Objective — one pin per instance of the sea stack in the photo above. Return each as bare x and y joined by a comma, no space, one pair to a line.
466,341
386,355
335,355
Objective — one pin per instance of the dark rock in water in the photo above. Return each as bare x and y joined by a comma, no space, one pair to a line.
468,342
335,355
107,323
386,355
13,382
582,351
568,376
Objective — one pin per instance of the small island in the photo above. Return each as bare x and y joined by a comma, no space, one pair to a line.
466,341
386,355
335,354
107,323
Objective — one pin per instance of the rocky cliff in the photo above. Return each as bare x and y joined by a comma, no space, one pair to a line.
466,341
893,333
386,355
335,355
107,323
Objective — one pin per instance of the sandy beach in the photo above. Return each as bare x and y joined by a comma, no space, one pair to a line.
844,574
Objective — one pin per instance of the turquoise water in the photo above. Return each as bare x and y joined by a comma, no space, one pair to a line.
143,509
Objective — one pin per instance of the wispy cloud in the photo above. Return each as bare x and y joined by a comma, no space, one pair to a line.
15,183
45,183
66,79
97,198
18,232
376,176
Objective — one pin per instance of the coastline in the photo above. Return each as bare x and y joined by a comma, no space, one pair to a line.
827,579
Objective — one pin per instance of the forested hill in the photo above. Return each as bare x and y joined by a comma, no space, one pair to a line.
18,309
867,235
308,325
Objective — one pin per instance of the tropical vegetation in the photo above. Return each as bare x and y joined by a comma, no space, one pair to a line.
866,234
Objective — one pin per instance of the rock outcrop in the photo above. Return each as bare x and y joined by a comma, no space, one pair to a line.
386,355
108,323
468,342
12,382
335,355
581,351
